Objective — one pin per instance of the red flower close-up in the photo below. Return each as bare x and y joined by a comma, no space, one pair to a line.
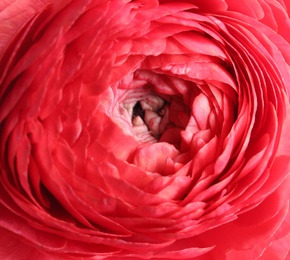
145,129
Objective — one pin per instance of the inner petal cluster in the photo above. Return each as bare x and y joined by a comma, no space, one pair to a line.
150,117
151,114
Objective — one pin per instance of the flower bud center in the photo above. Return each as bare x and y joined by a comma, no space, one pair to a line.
149,116
151,109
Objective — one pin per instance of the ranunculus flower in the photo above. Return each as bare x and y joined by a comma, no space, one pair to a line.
144,129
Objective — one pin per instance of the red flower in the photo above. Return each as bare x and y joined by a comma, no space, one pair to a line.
144,129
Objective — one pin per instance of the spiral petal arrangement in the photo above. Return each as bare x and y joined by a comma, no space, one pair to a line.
145,129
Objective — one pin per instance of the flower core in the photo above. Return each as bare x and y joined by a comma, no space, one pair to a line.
153,114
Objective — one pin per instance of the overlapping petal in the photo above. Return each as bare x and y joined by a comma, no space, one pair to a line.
145,129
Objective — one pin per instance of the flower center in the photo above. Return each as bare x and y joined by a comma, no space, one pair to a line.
150,110
149,117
